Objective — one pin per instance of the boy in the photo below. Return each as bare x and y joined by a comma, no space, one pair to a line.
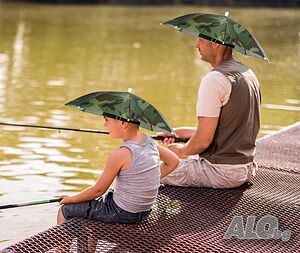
137,169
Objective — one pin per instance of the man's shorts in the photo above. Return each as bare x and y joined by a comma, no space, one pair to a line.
103,209
198,172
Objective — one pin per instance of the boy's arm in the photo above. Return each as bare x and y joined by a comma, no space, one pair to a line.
116,160
169,160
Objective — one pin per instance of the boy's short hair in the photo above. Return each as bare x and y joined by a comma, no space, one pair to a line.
120,118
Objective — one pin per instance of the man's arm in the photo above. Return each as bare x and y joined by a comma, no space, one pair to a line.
185,132
200,140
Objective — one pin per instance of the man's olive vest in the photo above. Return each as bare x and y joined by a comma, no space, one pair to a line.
238,125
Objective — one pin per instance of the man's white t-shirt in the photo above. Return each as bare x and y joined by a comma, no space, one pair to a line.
213,93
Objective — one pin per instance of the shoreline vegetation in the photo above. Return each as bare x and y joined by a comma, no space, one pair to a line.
238,3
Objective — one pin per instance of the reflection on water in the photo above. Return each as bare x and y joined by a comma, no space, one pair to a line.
18,50
51,54
3,70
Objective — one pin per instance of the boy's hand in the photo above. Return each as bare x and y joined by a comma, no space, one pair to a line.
65,200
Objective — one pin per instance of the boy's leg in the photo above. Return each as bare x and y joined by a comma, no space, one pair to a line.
76,210
97,209
108,211
60,217
103,209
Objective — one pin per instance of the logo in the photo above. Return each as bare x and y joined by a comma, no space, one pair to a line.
265,228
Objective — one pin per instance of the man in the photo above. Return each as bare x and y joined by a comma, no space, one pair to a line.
228,124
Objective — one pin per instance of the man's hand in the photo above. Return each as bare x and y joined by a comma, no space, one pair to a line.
168,138
181,132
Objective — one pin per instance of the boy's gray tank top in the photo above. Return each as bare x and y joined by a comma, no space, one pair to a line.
136,187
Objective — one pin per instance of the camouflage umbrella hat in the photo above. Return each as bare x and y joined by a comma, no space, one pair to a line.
219,29
123,106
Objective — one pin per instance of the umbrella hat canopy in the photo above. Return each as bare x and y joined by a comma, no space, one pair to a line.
219,29
123,106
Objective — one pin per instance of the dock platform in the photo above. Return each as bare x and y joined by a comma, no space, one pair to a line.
259,217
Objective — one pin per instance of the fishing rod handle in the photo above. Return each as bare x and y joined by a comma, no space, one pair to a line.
176,139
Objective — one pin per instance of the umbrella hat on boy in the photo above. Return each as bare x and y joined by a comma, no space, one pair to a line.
123,106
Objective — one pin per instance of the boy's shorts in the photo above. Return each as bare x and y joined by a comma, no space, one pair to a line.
103,209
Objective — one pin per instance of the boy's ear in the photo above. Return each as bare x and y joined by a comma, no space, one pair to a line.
124,124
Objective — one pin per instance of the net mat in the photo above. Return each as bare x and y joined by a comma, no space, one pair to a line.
197,219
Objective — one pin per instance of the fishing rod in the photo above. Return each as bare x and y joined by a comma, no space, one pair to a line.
38,202
155,137
55,128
